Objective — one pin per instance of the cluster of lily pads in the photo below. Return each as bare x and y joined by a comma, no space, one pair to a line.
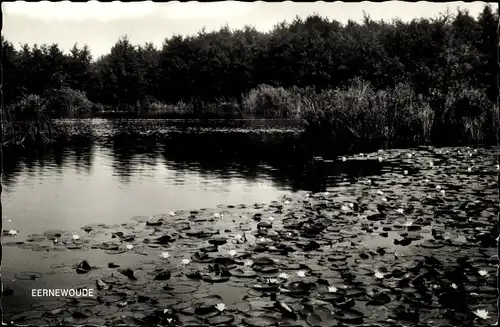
416,244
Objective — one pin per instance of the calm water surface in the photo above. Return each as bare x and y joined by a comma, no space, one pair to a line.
124,168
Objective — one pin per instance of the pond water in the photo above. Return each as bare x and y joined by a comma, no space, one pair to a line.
112,170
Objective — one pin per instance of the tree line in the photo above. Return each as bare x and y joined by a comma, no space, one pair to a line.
452,57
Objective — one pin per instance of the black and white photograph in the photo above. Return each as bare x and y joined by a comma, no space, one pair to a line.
250,164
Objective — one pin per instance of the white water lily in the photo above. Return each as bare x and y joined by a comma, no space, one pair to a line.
165,255
332,289
400,211
454,286
483,273
380,159
232,252
438,187
498,166
272,281
287,202
351,205
12,232
8,220
384,199
405,172
469,169
409,155
426,180
248,262
238,236
55,240
171,213
283,275
344,159
165,311
408,223
289,234
344,208
301,273
443,192
186,261
271,218
431,164
130,246
76,237
379,274
481,313
217,215
220,307
170,320
379,192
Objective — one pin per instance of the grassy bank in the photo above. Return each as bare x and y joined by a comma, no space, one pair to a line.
355,113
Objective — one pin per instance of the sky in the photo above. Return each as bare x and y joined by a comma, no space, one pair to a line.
100,25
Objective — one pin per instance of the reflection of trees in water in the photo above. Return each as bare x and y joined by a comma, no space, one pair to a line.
281,157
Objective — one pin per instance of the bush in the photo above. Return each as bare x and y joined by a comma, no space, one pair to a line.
27,119
68,103
271,102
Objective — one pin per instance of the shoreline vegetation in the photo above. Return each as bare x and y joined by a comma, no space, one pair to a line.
426,80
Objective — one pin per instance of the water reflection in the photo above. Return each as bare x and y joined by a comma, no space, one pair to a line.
114,170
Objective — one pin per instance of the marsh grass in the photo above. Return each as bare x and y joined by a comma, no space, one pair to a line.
26,121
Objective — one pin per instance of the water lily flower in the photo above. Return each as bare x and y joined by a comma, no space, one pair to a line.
271,218
283,275
76,237
481,313
287,202
170,320
380,159
408,223
400,211
165,255
344,159
12,232
426,180
438,187
344,208
469,169
171,213
165,311
405,172
409,155
55,240
186,261
332,289
384,199
217,215
130,246
351,205
238,236
248,262
379,274
8,220
454,286
498,166
220,307
232,253
483,273
443,192
379,192
301,273
272,281
431,164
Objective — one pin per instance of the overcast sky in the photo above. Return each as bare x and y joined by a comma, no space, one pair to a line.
99,25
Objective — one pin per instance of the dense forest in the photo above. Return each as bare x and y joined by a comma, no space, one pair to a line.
427,78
